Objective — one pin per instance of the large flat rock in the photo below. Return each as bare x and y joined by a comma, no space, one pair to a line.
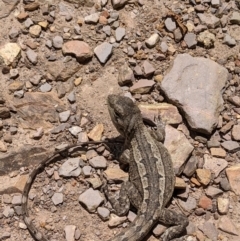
195,85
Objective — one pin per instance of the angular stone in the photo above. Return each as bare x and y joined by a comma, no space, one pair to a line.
62,71
223,205
216,165
9,53
79,49
178,147
190,166
203,176
209,229
233,174
213,191
148,68
98,162
6,8
236,132
143,86
115,175
188,205
103,213
96,133
57,198
125,75
202,107
205,203
190,39
231,146
210,20
35,31
91,199
103,52
218,152
70,168
120,33
169,113
70,232
226,225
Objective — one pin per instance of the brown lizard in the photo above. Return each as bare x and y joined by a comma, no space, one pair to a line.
151,175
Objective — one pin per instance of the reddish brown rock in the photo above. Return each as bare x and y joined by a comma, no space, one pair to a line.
143,86
79,49
205,203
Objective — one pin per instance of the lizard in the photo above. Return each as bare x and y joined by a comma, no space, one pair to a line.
151,176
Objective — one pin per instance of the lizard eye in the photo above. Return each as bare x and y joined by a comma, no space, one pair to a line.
117,114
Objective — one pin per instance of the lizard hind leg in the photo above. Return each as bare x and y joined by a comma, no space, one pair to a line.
128,194
179,222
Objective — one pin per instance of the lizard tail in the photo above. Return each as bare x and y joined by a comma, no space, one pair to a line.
137,230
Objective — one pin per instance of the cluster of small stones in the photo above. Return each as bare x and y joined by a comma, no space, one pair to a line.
207,187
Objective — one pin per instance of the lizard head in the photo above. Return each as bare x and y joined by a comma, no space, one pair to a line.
124,113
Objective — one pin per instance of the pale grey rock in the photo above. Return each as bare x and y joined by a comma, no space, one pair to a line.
8,212
148,68
216,165
75,130
64,116
17,200
231,146
18,94
125,75
87,171
190,166
107,30
103,213
98,162
91,199
210,20
70,232
57,42
164,47
209,229
70,168
72,97
32,56
170,24
46,87
120,33
230,41
189,205
178,147
103,52
28,22
57,198
203,90
190,39
213,192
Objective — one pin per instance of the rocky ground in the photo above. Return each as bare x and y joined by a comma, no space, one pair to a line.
59,62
